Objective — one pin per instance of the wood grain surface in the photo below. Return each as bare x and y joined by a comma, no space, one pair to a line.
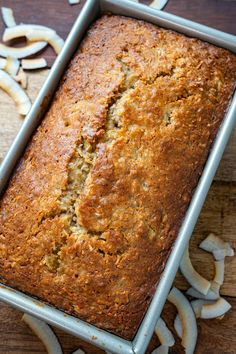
215,336
218,214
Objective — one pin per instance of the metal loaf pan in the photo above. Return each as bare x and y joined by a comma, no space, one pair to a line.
92,334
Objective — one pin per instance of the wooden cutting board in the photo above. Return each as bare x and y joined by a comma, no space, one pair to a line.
218,214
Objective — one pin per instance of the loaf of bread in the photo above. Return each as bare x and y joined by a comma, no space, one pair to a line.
96,202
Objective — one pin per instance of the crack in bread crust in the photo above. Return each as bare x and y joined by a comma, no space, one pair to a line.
82,162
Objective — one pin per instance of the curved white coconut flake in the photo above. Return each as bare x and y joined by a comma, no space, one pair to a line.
215,287
80,351
10,86
213,293
163,349
22,52
230,251
44,333
212,242
8,17
188,320
12,66
192,276
22,79
164,334
32,64
158,4
203,308
53,39
22,30
178,326
219,248
220,254
216,309
219,272
2,63
35,33
74,2
198,304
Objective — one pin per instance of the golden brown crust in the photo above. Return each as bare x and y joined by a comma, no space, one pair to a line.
97,200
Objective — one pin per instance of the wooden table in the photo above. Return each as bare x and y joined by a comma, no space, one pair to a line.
218,214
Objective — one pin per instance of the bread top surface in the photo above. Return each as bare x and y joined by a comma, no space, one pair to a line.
96,202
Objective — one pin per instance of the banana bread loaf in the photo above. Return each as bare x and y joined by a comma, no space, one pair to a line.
96,202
